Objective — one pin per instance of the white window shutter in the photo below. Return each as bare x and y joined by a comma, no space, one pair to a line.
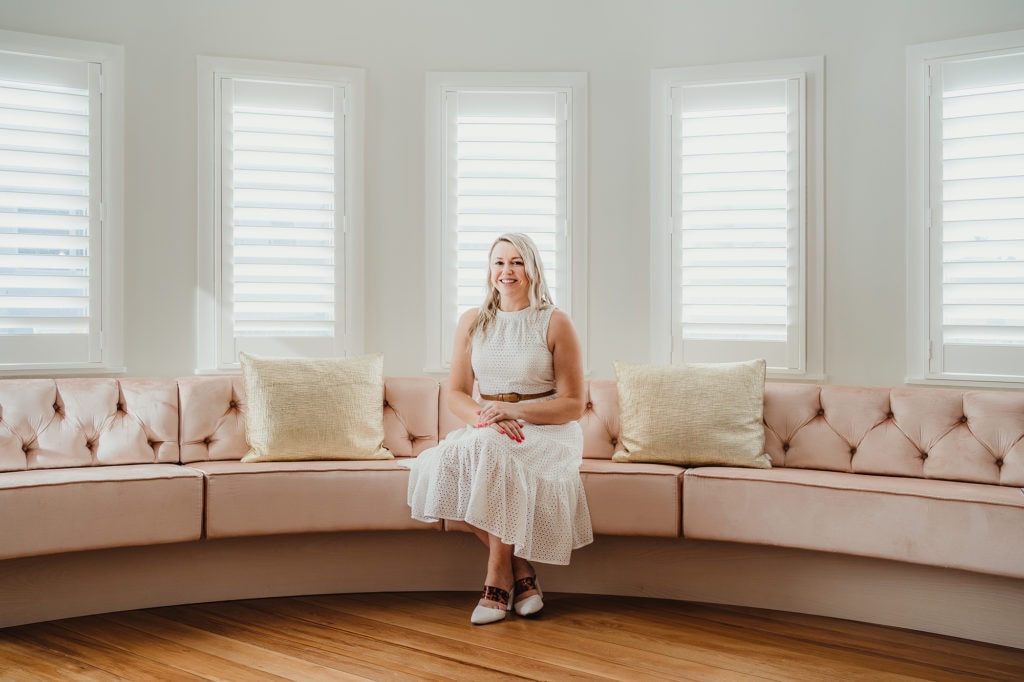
282,203
50,211
738,219
506,153
978,212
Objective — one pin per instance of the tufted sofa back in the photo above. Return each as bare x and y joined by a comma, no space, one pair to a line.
951,434
57,423
213,417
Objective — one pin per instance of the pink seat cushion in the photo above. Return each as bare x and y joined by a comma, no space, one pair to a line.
47,511
266,498
633,499
944,523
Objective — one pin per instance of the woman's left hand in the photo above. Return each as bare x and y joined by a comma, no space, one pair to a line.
502,417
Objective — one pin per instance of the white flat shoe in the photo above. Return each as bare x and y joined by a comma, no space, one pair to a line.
484,615
533,604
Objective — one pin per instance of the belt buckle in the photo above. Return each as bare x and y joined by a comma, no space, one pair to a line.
511,397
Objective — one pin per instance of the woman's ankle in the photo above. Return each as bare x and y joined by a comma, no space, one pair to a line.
521,568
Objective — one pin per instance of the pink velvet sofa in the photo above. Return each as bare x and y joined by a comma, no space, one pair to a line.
900,506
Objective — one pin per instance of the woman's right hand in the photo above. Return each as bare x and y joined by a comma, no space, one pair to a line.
501,416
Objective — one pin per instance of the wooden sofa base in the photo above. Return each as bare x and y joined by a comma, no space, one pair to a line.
973,606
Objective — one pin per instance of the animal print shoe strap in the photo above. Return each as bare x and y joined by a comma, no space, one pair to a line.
495,594
526,584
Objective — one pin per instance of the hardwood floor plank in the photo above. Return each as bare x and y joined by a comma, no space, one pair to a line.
590,656
355,639
623,639
274,636
238,650
427,636
22,658
940,653
417,633
131,653
775,657
861,658
60,640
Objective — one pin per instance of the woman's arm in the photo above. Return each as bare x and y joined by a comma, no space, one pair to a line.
461,378
569,402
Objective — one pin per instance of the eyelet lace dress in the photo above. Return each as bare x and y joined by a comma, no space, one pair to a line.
527,493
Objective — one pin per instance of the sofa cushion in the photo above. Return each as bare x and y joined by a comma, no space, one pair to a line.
314,408
633,499
968,526
266,498
627,499
48,511
692,415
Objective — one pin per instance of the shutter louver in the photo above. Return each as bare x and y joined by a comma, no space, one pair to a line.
46,214
982,203
510,165
280,205
737,219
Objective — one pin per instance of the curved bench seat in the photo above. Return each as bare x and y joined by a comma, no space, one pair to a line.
950,602
894,506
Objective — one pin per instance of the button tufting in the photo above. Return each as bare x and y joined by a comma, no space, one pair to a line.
615,441
963,419
385,403
785,447
590,406
924,456
91,444
25,447
152,443
889,414
56,408
120,407
207,440
821,411
853,451
233,404
999,462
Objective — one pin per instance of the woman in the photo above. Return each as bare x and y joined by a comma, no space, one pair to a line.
512,474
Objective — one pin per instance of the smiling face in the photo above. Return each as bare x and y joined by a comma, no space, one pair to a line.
508,275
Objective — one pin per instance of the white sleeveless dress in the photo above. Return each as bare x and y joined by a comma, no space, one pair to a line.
529,494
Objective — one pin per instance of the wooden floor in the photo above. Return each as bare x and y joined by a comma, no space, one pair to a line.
428,636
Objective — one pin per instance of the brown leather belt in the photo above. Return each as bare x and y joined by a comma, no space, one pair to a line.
516,397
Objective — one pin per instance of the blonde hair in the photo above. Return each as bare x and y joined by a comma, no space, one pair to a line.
540,297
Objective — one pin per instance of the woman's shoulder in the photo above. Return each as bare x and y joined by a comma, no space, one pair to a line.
558,315
466,321
560,322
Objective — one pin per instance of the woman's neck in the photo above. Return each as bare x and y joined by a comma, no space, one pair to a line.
506,305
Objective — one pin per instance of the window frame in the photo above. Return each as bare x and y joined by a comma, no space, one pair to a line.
924,349
438,357
107,261
811,239
211,326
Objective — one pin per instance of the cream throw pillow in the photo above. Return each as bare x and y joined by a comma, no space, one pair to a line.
692,415
301,409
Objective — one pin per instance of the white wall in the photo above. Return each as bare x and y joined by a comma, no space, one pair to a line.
617,42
